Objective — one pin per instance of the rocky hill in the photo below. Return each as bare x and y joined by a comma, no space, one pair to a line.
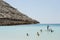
11,16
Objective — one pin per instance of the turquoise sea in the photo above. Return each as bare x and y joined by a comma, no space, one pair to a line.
29,32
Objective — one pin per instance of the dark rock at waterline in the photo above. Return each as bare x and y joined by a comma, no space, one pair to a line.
11,16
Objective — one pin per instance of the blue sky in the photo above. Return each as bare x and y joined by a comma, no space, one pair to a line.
45,11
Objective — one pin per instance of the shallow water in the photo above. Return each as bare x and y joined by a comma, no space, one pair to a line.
19,32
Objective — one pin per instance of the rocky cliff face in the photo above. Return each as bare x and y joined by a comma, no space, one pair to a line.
11,16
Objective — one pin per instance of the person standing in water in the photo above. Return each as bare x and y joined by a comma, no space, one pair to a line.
27,34
48,27
38,34
40,30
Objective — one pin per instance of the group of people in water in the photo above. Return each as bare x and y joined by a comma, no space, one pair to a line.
48,29
37,34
